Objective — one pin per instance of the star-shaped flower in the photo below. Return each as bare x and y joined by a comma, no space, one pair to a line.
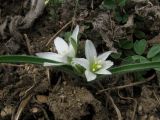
65,51
94,64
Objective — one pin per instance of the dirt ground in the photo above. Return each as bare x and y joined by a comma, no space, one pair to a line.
32,92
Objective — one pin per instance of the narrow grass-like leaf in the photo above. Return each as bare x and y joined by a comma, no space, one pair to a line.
34,60
116,70
23,59
135,67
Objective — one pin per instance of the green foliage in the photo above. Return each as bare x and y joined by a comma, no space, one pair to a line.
139,53
73,42
116,55
121,3
55,2
67,35
116,70
134,51
139,34
139,59
135,67
23,59
112,4
127,60
120,17
126,44
156,58
155,50
117,7
53,6
139,46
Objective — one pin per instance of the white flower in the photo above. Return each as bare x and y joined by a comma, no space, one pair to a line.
94,64
65,51
75,34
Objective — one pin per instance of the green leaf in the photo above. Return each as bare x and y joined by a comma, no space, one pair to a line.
157,69
121,17
67,35
139,59
33,60
135,67
125,18
153,51
134,59
74,44
127,60
122,3
24,59
116,55
110,4
118,16
156,58
139,46
126,44
140,34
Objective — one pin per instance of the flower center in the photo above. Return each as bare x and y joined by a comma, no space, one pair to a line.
96,65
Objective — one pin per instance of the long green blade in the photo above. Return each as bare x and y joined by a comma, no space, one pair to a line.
23,59
115,70
135,67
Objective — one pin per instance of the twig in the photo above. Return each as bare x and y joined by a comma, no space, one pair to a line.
48,76
44,111
128,85
116,108
75,13
28,44
135,106
112,101
29,90
53,37
21,107
92,4
56,87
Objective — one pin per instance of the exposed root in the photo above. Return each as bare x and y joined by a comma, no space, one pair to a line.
36,9
17,23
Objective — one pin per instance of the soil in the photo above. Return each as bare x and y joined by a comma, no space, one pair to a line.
32,92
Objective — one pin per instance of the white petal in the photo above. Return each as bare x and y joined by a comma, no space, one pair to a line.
90,51
104,56
103,71
61,46
90,76
52,64
52,56
75,33
81,61
107,64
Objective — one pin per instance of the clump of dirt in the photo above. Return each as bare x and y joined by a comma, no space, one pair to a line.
69,102
148,104
103,24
